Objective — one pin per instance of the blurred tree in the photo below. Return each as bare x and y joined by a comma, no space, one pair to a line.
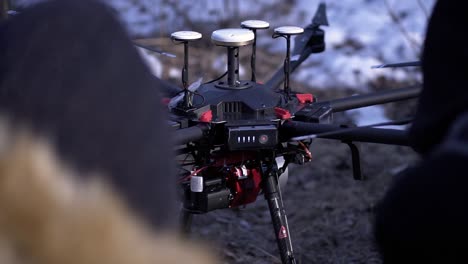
160,17
2,10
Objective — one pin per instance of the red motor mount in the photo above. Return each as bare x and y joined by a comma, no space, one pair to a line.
243,176
244,184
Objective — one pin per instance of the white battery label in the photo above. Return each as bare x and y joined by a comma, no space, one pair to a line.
196,184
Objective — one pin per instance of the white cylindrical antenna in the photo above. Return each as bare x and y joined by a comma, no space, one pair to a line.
232,38
286,32
185,37
253,25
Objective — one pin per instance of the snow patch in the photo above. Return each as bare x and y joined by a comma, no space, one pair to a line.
371,115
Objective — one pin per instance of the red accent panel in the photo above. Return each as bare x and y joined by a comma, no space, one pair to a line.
305,98
245,190
231,158
282,113
206,116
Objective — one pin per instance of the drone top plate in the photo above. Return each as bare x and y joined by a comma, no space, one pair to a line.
255,24
232,37
289,30
186,35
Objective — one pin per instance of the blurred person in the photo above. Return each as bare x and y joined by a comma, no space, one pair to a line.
71,77
70,72
423,217
50,215
3,9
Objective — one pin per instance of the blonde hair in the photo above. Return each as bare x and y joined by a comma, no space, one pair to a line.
48,216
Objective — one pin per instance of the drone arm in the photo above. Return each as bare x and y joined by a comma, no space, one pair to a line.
186,135
371,135
153,49
398,65
311,41
386,96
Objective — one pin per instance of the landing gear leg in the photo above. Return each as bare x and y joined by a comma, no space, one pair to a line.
278,217
185,221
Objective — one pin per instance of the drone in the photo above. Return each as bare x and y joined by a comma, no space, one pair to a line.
242,134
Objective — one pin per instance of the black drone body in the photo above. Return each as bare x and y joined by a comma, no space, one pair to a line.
231,129
237,137
241,135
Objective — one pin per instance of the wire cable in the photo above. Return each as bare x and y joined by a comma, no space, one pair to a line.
217,79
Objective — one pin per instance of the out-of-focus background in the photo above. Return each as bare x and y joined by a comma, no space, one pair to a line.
362,33
330,214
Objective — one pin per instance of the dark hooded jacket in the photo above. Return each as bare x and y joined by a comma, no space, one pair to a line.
445,69
69,71
424,216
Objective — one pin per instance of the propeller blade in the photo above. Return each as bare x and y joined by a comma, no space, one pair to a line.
195,85
311,41
320,17
152,49
398,65
192,88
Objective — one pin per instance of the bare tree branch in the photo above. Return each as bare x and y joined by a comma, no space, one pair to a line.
424,8
414,44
